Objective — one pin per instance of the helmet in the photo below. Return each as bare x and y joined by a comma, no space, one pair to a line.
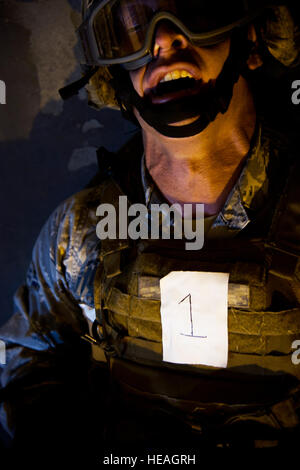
121,31
118,33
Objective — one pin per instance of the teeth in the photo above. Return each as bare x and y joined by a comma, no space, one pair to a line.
175,75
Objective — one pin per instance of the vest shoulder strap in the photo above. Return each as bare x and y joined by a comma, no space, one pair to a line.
283,240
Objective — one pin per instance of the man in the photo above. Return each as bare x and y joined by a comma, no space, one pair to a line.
185,76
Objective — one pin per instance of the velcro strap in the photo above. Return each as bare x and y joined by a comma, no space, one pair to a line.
253,332
283,264
112,264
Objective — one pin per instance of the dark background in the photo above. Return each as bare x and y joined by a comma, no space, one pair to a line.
47,146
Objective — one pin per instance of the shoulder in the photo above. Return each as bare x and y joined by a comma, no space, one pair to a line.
75,216
67,248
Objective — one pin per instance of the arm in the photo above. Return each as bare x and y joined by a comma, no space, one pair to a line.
46,375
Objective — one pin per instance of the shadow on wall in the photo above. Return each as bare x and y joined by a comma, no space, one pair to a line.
37,174
47,147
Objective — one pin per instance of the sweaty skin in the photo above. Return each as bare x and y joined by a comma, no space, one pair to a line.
202,168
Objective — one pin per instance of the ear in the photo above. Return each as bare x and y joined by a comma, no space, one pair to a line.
255,59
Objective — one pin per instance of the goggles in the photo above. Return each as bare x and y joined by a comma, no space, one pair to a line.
123,31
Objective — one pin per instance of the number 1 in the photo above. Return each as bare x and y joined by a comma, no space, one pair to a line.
191,314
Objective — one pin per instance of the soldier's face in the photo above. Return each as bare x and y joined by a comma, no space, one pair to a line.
175,57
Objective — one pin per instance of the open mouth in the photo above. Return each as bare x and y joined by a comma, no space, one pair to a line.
173,86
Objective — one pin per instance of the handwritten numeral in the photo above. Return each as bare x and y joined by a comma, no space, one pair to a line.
189,297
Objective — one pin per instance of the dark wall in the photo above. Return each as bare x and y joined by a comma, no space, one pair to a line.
47,146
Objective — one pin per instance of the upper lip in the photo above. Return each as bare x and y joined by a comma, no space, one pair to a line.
158,74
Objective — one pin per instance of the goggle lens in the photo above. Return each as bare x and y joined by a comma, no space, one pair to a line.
120,26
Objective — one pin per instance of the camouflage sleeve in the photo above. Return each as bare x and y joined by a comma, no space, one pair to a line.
46,358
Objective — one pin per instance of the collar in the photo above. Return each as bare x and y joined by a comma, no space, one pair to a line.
248,194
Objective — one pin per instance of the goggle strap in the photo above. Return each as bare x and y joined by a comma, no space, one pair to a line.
73,88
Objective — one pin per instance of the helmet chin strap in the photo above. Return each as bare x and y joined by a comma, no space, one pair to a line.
213,97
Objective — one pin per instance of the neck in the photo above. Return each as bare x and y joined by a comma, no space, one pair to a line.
205,167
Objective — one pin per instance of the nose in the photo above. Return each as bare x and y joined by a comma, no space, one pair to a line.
168,38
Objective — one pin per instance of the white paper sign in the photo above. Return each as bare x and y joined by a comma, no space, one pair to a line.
194,308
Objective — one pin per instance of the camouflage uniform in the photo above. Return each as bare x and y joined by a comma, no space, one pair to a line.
45,332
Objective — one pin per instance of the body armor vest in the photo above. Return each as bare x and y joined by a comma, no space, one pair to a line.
260,382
